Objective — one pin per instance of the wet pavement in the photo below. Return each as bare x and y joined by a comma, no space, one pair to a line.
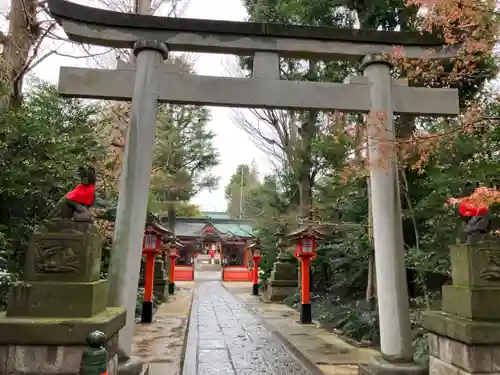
225,338
161,343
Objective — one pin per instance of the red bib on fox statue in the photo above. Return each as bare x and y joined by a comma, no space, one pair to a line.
82,194
468,208
75,204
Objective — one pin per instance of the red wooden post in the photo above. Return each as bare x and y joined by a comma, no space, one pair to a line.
172,255
256,249
305,297
150,247
306,251
255,289
147,304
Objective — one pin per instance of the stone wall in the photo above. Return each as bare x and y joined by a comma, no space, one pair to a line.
450,357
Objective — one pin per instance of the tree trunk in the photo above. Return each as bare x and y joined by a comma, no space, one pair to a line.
21,37
307,133
305,192
171,216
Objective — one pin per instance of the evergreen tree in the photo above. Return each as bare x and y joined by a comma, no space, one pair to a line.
184,156
237,191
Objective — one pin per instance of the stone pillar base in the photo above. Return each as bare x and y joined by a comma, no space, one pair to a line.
460,346
278,290
464,338
381,366
448,356
40,346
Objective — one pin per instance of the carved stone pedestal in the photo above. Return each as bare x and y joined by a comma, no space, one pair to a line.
284,280
61,300
160,286
160,283
465,336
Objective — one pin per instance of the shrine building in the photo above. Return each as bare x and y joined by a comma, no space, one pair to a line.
216,240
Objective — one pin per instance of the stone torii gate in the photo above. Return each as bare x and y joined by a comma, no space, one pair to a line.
149,82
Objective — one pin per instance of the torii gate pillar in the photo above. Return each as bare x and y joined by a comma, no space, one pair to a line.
392,291
134,185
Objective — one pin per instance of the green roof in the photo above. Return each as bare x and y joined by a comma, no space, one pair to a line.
240,230
193,227
215,215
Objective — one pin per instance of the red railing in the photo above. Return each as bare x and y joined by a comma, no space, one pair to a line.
184,273
236,273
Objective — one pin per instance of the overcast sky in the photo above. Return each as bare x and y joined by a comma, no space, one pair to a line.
233,144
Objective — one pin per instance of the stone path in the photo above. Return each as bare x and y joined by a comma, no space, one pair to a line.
161,344
331,354
225,338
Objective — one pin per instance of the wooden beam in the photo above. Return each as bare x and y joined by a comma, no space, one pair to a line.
254,93
328,50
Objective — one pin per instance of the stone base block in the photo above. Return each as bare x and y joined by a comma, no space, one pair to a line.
278,290
159,269
448,356
56,299
284,270
475,264
160,290
462,329
49,360
59,331
472,303
381,366
73,255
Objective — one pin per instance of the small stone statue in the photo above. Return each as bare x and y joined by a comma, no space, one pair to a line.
75,205
476,217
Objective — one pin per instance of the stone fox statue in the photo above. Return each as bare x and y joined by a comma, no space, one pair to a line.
75,205
476,217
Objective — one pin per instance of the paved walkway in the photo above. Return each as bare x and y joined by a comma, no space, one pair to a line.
331,354
161,343
225,338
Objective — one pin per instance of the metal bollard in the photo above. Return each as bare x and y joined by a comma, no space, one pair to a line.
95,357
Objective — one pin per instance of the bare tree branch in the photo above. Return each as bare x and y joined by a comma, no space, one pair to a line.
34,54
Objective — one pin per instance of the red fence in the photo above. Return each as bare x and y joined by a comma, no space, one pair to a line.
236,273
184,273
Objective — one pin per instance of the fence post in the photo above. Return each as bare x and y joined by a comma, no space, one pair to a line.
95,357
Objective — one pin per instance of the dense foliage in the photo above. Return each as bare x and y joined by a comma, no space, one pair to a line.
44,141
42,144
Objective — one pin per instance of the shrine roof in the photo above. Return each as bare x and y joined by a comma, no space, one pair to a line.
215,215
152,221
193,227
